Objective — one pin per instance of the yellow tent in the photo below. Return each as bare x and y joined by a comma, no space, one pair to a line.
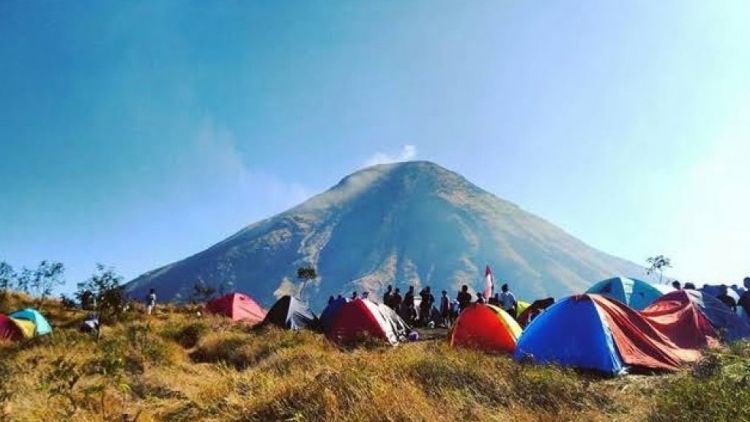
521,306
27,327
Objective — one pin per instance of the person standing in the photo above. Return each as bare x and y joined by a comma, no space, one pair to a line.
463,298
425,306
445,309
388,296
726,299
151,301
409,313
508,300
397,299
745,298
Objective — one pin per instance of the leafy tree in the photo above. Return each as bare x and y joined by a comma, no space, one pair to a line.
658,264
7,280
106,289
305,274
45,277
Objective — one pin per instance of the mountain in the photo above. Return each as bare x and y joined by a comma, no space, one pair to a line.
405,223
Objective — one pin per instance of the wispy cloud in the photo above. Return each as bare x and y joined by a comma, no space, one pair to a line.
408,152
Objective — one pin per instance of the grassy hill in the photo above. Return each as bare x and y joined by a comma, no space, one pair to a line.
179,366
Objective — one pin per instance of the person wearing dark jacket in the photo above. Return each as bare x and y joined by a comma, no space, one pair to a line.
445,309
408,312
396,300
726,299
425,306
388,296
745,298
463,298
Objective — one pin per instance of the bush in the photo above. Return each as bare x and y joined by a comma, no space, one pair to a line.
187,336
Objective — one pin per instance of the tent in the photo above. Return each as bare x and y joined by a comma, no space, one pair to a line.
728,324
681,320
485,327
41,326
238,307
521,306
635,293
291,313
9,330
590,331
361,316
329,313
533,310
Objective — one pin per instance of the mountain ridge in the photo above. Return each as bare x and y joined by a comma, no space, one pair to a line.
403,223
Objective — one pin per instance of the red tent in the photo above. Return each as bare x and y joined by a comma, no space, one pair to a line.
238,307
9,330
487,328
642,344
680,319
362,316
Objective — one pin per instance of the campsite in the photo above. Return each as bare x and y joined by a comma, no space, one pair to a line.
587,357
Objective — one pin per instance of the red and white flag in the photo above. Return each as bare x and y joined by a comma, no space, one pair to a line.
489,282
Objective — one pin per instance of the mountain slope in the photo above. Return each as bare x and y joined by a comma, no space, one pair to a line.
406,223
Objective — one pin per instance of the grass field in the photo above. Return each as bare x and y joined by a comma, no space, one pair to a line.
177,366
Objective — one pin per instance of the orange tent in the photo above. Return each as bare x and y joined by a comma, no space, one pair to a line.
487,328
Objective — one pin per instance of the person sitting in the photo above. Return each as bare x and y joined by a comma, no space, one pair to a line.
463,298
354,295
689,286
726,299
676,285
494,300
480,297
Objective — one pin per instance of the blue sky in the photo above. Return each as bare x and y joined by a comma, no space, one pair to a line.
137,133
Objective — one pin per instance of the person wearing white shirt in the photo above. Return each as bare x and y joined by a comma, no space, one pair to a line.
508,300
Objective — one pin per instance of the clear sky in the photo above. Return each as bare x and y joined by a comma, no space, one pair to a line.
137,133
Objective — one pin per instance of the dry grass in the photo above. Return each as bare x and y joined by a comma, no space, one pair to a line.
177,366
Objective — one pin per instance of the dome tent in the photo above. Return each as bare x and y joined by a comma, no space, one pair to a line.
329,313
291,313
9,330
41,326
590,331
633,292
727,323
361,316
238,307
487,328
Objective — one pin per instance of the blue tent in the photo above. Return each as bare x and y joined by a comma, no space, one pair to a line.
635,293
571,333
42,326
329,313
727,323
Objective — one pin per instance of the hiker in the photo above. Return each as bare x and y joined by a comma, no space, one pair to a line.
676,285
354,295
508,300
463,298
726,299
396,300
480,297
445,309
425,306
745,298
689,286
151,301
91,325
495,300
388,296
408,311
330,299
365,294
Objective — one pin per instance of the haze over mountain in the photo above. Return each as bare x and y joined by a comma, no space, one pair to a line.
412,223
